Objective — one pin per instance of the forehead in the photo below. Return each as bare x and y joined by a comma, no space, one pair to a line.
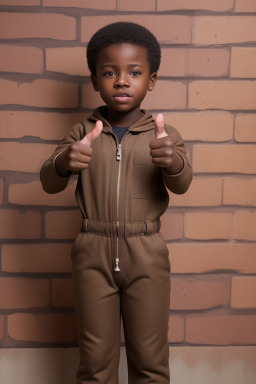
123,53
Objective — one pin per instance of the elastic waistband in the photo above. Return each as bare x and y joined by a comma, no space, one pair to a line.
121,229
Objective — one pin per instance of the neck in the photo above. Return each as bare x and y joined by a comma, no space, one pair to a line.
123,119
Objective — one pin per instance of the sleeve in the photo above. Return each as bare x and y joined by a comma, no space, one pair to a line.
179,183
51,181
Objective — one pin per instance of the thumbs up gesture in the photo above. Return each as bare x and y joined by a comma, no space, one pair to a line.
78,155
161,147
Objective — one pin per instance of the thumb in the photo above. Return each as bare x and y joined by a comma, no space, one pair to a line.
159,126
95,132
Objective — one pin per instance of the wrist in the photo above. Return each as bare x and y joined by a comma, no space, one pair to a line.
177,165
59,165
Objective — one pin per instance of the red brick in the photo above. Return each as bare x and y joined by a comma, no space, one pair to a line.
176,329
202,192
1,326
39,93
36,258
208,225
245,6
20,2
173,29
21,59
210,30
23,154
245,127
209,5
32,193
194,62
225,158
240,56
17,225
99,4
221,329
62,293
222,94
24,292
37,25
172,225
245,225
239,191
243,292
135,5
46,328
199,293
202,126
62,224
46,125
69,60
212,257
1,191
175,96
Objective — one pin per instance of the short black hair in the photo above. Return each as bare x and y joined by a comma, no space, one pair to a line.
124,32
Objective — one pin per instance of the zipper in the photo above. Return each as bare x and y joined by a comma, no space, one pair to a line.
118,158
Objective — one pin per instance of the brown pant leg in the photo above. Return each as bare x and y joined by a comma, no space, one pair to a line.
145,305
97,303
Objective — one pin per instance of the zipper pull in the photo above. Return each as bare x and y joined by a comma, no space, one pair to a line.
117,269
118,153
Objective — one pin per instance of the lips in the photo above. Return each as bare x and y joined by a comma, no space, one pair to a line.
121,97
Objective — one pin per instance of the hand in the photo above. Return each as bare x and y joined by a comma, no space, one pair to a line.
77,157
162,151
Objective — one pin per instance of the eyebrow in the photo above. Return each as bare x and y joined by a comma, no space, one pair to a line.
115,66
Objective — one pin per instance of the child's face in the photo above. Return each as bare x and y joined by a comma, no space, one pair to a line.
123,76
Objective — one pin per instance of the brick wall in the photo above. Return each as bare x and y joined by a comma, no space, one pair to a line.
206,89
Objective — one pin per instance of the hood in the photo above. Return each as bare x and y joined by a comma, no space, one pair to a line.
145,123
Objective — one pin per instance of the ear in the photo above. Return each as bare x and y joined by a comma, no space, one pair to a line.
152,81
94,82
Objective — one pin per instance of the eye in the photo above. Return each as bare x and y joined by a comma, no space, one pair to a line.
135,73
109,74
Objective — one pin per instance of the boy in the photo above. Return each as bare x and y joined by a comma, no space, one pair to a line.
120,264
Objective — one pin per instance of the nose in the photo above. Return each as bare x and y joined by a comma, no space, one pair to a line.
122,81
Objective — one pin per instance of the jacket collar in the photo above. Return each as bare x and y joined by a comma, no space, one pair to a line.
145,123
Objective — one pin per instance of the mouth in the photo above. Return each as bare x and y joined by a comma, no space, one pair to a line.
122,97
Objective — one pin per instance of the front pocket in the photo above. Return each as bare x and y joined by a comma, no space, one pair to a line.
147,177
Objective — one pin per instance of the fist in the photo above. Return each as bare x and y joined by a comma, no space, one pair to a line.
161,147
77,157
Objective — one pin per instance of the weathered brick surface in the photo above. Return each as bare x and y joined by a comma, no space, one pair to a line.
217,5
21,59
39,93
212,257
245,6
51,328
225,158
1,327
99,4
224,95
172,225
173,29
20,2
239,191
204,62
37,25
62,293
47,126
245,225
238,57
202,192
199,293
245,128
36,258
32,194
134,5
24,293
221,329
224,30
1,190
19,225
62,224
176,329
243,289
69,60
208,225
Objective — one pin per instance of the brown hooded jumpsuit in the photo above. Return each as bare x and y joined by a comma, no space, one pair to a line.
119,259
